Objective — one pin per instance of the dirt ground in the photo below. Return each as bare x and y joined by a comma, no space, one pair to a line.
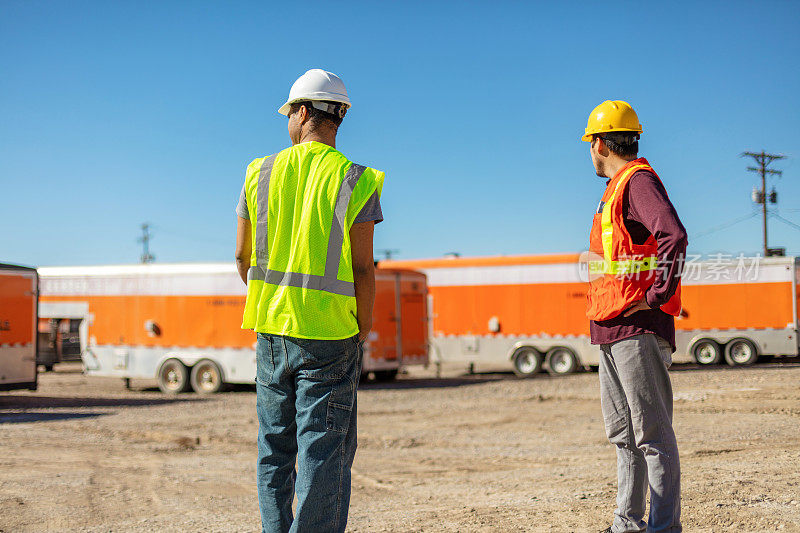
487,452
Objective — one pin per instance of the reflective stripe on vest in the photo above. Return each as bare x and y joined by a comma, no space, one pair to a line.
329,281
605,217
623,267
262,236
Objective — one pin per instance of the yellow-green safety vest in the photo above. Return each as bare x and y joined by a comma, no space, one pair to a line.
302,203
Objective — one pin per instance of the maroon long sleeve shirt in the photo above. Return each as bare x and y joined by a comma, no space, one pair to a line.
647,210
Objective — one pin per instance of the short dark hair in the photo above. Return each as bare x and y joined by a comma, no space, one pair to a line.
318,116
622,143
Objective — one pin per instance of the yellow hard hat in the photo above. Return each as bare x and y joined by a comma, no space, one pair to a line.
612,116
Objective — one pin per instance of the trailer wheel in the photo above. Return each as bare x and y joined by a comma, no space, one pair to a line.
527,361
385,375
206,377
561,360
173,377
741,352
707,352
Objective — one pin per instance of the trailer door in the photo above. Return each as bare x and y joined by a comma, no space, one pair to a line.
413,326
18,328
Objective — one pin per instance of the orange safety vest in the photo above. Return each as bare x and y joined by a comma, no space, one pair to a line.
620,271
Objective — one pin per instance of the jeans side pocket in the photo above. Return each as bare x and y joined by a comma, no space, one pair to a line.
342,399
338,418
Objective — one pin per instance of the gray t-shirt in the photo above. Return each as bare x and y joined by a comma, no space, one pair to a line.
370,212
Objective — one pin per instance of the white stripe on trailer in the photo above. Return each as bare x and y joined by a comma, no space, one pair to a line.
146,280
753,270
503,275
139,270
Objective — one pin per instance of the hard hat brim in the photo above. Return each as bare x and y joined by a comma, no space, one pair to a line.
588,134
284,109
319,96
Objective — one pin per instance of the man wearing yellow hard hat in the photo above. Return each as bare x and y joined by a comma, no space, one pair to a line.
637,249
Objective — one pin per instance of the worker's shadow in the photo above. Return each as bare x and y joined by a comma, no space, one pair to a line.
19,409
36,416
427,383
764,363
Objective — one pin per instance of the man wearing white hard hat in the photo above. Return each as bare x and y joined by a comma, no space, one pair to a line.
306,217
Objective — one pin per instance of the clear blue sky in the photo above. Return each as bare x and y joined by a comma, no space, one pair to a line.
117,113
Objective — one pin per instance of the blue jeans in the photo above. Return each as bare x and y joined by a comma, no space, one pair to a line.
306,405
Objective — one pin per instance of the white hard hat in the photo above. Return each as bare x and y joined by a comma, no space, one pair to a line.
316,85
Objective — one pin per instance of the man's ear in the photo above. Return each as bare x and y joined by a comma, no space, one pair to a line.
304,114
602,149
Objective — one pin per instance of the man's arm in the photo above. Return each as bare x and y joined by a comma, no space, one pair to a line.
243,247
649,205
363,274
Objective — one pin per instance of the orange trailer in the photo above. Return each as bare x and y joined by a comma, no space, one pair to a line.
529,311
180,323
18,322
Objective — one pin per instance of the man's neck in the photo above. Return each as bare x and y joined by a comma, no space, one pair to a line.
320,137
615,164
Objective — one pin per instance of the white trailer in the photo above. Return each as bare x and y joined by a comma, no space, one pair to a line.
528,312
181,323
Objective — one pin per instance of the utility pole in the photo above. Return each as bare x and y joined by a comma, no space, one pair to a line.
146,257
760,197
387,253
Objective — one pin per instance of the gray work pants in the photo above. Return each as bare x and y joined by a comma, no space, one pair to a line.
636,399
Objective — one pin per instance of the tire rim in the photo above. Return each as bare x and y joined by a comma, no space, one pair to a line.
207,378
527,362
706,353
172,377
741,352
561,362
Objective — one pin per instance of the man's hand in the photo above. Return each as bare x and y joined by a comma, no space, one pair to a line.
641,305
363,332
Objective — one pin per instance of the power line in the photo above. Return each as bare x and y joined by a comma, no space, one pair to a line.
724,225
785,221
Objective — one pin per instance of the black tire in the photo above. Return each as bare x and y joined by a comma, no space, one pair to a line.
561,361
386,375
527,361
48,368
741,352
207,377
173,377
707,352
